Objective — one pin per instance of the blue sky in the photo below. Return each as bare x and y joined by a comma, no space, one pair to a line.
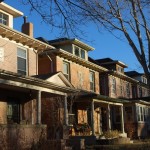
105,44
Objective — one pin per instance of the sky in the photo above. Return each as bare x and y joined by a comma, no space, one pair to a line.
105,44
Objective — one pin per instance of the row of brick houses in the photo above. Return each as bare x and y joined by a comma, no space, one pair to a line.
51,87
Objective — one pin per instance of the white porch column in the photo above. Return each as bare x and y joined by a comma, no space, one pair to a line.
92,117
38,107
65,111
108,118
122,119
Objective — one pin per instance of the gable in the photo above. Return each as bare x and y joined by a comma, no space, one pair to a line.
60,80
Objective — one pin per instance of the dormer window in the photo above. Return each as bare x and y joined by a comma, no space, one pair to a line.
79,52
120,69
144,80
3,18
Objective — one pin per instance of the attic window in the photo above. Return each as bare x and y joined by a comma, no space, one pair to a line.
3,18
79,52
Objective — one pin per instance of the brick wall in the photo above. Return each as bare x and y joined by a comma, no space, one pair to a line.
79,75
10,57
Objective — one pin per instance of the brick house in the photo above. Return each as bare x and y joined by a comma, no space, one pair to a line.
89,107
22,92
131,86
53,86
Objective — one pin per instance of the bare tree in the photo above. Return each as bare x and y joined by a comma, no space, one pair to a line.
130,18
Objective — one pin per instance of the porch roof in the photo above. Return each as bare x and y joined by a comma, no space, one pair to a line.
14,79
100,98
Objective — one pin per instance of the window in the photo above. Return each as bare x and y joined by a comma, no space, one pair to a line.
142,113
82,54
121,87
120,69
66,70
3,19
144,80
13,112
128,89
79,52
92,81
113,85
21,61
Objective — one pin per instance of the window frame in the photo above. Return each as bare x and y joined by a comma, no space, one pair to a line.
81,52
92,82
24,58
67,75
113,85
143,113
3,19
128,89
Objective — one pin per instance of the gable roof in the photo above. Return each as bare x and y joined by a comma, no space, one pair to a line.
56,78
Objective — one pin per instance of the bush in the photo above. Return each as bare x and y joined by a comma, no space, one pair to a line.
111,134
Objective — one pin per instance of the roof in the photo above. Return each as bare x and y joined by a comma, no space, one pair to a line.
62,41
97,97
44,76
20,37
109,61
15,79
10,10
133,73
69,56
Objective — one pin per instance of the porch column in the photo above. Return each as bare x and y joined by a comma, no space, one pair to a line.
38,107
108,118
122,120
65,111
92,117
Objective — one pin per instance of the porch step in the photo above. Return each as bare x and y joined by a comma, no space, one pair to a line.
121,140
123,135
67,148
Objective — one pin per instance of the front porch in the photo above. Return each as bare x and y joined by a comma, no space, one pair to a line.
95,116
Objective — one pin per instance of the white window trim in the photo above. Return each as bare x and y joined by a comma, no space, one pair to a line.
74,46
91,71
22,48
143,111
66,62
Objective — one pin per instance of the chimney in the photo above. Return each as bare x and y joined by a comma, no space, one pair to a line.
27,27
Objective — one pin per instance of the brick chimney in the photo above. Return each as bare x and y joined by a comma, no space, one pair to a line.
27,27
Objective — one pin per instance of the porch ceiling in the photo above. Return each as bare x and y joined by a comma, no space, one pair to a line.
19,37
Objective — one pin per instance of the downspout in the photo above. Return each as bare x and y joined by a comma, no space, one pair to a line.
52,69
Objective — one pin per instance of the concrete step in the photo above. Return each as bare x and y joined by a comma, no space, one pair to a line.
67,148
